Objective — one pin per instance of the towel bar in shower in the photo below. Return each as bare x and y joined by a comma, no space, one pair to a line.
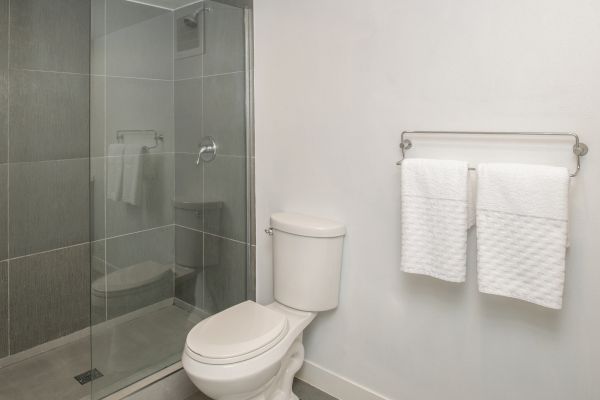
580,149
157,136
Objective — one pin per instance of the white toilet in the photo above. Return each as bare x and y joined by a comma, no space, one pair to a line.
250,351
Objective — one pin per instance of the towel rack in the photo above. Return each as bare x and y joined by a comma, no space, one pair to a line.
580,149
157,136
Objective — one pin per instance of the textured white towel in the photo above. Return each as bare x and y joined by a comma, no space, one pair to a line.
522,213
114,185
434,218
132,174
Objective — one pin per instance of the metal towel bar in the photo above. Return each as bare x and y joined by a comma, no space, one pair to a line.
157,137
580,149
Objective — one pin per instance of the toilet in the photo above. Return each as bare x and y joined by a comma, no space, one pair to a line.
251,351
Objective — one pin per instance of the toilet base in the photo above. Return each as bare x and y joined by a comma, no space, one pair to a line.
280,387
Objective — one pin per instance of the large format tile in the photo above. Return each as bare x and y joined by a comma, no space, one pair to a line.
132,262
3,81
3,115
49,375
188,115
97,198
225,181
225,112
224,282
98,37
189,200
97,116
49,205
3,211
139,40
49,116
155,207
50,35
189,42
3,308
189,259
140,104
225,50
49,296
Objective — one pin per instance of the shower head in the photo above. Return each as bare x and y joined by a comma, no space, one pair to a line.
192,19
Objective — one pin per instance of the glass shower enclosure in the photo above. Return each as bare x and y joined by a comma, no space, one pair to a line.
125,186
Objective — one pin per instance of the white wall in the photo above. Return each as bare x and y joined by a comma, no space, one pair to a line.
336,83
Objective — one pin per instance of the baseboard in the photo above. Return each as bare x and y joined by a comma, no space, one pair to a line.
334,384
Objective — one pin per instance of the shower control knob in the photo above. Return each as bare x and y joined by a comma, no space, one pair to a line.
207,150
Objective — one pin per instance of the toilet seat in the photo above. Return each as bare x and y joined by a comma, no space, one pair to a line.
237,334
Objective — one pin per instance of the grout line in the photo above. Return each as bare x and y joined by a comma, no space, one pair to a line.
209,76
105,166
136,232
51,72
219,154
49,251
173,44
137,78
212,234
49,161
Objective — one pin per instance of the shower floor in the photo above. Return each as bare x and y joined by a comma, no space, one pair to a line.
124,353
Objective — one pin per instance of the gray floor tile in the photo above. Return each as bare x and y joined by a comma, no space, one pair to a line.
225,276
3,211
3,308
225,112
139,347
49,296
225,181
139,40
49,116
50,35
49,205
49,375
304,391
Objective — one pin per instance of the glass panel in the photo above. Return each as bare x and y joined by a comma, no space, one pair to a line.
44,198
170,235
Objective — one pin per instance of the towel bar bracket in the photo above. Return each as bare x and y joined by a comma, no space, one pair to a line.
580,149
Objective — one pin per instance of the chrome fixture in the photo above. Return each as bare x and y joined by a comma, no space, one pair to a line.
207,150
269,231
580,149
192,19
157,136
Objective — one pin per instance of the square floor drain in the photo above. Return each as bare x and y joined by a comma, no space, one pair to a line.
88,376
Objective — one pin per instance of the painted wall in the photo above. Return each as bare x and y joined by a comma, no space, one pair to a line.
336,83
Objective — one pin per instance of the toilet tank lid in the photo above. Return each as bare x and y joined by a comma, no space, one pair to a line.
305,225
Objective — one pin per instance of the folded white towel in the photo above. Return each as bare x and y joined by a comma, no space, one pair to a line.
434,218
522,213
471,199
114,183
132,174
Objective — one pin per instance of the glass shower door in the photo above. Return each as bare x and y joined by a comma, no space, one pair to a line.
170,238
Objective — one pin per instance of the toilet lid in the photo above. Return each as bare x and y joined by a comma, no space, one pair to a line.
243,329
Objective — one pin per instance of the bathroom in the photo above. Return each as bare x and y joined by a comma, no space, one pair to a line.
149,147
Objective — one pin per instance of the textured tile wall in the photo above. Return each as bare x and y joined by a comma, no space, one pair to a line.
44,177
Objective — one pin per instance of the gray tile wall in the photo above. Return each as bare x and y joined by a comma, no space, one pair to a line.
44,177
209,100
132,89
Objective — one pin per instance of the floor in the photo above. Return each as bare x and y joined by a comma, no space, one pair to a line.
303,390
118,351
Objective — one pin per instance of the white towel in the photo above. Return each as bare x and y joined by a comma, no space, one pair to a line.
434,218
471,199
114,185
522,213
132,174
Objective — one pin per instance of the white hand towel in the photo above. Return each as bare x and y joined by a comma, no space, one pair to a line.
114,184
471,199
522,213
434,218
132,174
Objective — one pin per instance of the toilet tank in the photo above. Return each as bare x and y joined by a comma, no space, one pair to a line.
307,261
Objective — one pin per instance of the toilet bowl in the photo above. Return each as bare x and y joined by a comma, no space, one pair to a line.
251,351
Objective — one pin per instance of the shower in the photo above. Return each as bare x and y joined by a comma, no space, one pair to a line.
191,20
